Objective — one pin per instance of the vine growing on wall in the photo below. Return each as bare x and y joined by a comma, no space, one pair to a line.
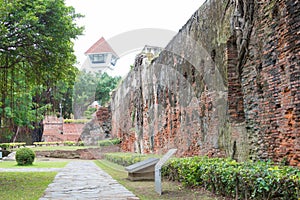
241,26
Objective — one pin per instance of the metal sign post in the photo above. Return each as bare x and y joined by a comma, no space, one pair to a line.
158,167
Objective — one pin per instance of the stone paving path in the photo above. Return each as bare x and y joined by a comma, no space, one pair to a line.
85,180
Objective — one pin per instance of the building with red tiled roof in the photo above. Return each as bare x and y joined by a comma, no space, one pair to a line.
100,57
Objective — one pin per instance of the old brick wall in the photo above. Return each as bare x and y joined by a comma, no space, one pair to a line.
271,82
90,133
104,118
226,85
55,131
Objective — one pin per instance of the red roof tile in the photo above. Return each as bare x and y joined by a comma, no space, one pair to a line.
101,46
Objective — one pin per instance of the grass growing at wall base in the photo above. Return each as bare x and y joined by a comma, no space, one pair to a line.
24,185
109,142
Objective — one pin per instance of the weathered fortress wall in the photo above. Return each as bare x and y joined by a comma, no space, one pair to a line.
228,84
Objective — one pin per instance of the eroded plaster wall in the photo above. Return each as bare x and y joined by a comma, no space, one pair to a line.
226,85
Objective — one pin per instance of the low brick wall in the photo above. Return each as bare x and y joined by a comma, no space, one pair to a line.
55,131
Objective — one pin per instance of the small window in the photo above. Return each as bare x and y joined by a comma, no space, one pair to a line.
113,60
98,58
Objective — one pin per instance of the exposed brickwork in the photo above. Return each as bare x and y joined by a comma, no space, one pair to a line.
228,84
90,133
235,94
104,118
271,82
55,131
52,125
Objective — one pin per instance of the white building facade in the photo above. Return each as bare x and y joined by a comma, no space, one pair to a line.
100,57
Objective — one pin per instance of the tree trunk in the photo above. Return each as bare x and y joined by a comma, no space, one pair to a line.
16,135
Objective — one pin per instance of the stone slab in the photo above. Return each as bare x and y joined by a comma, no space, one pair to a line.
143,170
141,165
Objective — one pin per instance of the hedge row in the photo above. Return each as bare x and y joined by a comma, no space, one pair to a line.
109,142
46,143
244,180
12,145
126,159
76,121
65,143
72,143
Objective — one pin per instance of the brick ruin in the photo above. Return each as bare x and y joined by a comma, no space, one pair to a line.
103,115
98,128
90,133
56,131
228,84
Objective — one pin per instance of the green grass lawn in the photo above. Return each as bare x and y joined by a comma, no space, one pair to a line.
41,164
24,185
145,189
53,148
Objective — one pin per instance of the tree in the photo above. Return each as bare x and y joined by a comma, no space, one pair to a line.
105,86
36,52
90,87
84,92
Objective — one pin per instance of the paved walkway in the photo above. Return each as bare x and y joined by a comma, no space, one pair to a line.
85,180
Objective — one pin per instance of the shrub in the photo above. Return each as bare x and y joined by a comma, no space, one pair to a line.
245,180
69,143
80,143
25,156
12,145
46,143
89,112
126,159
4,145
109,142
66,143
76,121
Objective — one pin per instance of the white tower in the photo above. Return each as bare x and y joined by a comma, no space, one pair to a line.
100,57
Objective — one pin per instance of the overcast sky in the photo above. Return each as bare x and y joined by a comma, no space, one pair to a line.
113,19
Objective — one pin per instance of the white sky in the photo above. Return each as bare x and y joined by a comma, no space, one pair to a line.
112,19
